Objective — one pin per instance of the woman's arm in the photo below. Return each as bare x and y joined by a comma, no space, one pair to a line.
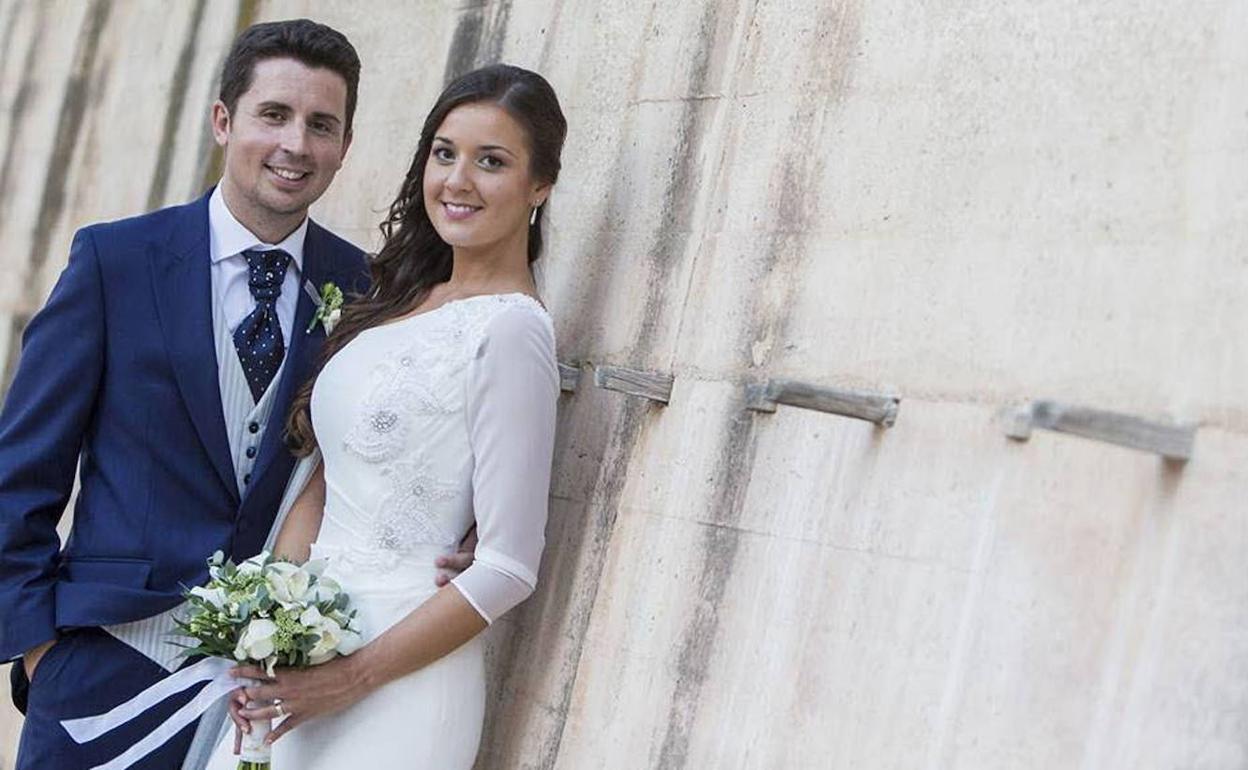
303,521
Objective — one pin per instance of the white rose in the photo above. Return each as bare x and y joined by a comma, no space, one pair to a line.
288,583
311,618
327,646
256,642
325,590
331,320
214,596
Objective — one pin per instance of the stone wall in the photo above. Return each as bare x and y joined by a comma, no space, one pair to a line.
968,205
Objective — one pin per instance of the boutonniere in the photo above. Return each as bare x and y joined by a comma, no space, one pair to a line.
328,305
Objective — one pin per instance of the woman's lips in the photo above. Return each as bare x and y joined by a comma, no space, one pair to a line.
457,212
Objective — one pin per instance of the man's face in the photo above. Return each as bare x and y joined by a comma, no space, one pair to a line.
284,141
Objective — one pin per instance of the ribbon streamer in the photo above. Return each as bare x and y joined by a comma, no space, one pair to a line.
216,671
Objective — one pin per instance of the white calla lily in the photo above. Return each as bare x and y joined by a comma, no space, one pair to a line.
253,565
256,641
214,596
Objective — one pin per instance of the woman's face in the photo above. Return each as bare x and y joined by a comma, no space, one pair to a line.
478,190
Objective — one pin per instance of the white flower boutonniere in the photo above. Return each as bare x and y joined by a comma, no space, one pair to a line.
328,306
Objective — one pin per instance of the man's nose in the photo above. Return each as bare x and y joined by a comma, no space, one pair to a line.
295,138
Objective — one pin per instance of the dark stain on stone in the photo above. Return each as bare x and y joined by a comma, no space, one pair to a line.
548,34
568,601
211,156
492,45
565,605
465,43
173,110
10,25
718,552
21,101
666,244
209,160
680,190
780,262
581,323
798,173
480,33
68,125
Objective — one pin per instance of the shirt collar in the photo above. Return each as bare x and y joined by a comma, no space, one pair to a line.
229,237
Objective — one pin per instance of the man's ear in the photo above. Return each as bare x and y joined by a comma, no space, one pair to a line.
220,122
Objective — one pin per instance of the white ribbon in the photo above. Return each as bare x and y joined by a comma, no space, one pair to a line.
216,671
313,293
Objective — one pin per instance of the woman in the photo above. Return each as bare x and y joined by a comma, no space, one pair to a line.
435,408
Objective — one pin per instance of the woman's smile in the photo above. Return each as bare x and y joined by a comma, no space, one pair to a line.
458,212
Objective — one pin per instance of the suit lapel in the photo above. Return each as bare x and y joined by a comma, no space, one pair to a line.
300,354
183,285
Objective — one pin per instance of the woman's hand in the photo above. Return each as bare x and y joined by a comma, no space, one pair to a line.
238,702
298,694
451,565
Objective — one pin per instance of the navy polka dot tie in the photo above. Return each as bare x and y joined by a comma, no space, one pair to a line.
258,338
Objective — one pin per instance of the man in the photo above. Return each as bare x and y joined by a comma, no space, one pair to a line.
162,366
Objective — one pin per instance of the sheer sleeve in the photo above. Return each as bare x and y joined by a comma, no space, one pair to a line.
513,386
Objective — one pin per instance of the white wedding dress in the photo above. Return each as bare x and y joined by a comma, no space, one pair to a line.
424,423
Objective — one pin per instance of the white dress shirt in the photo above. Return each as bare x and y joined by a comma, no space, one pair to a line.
228,239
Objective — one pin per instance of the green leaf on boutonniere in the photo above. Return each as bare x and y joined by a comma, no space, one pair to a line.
330,308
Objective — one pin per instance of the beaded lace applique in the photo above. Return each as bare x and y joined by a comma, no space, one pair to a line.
404,388
406,516
421,381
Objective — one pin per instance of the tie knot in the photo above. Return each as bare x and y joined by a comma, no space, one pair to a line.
265,272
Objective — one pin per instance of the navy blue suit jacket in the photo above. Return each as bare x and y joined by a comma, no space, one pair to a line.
118,378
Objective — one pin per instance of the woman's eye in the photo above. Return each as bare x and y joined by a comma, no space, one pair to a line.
491,162
443,154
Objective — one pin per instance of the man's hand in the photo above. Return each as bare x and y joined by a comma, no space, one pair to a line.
450,566
30,661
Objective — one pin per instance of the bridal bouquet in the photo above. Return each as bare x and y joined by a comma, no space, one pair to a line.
268,612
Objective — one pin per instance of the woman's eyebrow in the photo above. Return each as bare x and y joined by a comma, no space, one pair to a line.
492,147
482,148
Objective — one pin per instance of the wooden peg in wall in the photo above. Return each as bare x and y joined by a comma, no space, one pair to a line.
1168,440
873,407
654,386
569,377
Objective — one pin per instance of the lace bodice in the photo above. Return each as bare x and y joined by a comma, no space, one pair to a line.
425,422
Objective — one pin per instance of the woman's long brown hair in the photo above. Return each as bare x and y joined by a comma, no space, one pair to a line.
413,258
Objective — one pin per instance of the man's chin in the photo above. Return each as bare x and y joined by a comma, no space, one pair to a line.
289,205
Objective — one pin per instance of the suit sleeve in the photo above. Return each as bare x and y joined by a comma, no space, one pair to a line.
513,389
46,414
